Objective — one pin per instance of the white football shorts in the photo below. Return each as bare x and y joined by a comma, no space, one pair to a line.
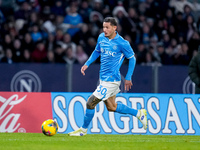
106,89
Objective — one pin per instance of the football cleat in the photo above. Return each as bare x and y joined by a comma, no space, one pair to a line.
143,118
78,132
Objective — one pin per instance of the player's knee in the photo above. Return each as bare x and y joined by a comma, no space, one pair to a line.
89,105
92,102
111,108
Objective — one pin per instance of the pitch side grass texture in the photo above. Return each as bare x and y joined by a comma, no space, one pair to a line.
38,141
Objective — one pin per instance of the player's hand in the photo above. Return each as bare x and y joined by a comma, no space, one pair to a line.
83,68
128,84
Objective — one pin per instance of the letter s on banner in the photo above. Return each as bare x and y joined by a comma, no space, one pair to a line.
71,110
154,115
60,113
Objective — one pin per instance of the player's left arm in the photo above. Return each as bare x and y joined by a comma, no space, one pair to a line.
129,54
131,67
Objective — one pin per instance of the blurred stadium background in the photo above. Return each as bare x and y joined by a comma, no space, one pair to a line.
44,43
49,40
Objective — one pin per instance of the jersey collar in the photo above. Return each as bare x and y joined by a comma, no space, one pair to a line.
116,37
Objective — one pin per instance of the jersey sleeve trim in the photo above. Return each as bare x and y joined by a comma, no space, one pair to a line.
97,50
130,57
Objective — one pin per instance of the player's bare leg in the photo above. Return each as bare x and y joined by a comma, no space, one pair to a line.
92,102
111,104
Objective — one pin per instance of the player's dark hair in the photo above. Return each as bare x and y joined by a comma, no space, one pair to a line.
111,20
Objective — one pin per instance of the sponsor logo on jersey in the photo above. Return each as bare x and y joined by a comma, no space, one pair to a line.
110,53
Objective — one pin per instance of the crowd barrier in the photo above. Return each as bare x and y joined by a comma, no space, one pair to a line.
168,114
25,77
68,78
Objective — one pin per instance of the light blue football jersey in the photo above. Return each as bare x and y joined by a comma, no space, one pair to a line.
112,52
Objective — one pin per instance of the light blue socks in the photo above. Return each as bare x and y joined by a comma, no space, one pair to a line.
89,113
123,109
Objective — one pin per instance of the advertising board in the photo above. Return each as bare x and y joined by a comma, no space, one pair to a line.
23,111
168,114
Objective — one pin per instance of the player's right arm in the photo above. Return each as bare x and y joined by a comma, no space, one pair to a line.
95,54
83,68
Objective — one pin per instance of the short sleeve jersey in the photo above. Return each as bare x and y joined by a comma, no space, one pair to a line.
112,52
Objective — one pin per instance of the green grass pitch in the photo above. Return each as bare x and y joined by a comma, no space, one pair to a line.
38,141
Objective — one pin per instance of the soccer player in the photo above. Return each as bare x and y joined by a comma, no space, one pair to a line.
113,49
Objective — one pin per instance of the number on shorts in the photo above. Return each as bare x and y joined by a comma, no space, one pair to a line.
102,90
